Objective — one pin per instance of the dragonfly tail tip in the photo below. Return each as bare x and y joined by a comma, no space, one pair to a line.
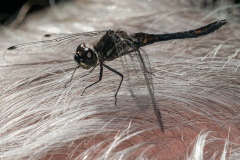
224,21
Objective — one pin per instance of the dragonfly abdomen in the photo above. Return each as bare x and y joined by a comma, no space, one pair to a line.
143,39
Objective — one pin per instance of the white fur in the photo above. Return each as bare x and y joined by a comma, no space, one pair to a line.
196,85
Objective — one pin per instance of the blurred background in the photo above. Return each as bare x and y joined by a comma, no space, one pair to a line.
11,10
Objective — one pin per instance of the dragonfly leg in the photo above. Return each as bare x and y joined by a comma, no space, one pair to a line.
131,55
118,73
71,76
82,76
90,71
100,77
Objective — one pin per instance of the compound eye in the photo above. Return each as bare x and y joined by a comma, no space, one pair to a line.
84,52
85,56
89,55
80,48
82,45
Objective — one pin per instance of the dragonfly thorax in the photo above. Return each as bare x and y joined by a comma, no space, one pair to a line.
85,57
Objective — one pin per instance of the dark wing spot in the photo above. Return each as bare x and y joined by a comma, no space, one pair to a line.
12,48
47,35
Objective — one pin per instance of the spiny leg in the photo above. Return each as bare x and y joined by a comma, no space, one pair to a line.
100,78
118,73
71,76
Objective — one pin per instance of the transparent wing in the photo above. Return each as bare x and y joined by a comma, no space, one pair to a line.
146,68
138,68
49,50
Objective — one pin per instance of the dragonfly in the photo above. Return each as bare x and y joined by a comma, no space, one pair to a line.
92,49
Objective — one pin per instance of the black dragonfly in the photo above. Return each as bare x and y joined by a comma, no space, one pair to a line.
109,46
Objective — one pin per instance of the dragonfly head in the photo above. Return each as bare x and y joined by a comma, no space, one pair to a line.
85,56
